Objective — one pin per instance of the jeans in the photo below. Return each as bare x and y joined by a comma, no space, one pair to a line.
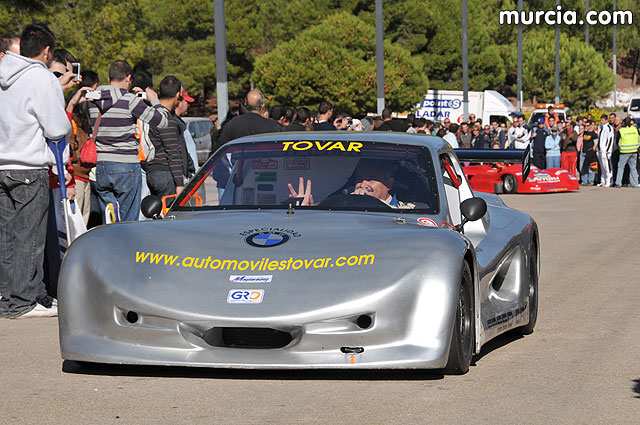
161,183
96,218
52,257
144,191
121,182
590,176
24,203
540,160
631,159
553,161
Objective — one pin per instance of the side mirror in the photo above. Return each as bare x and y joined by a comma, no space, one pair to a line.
151,206
472,209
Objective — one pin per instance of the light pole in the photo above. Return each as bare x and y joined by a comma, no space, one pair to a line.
379,56
465,62
519,57
557,59
615,65
586,31
221,60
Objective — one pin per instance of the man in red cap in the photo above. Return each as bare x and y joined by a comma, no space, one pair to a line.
181,109
170,165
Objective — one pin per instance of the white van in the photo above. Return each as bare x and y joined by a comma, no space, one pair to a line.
633,110
489,105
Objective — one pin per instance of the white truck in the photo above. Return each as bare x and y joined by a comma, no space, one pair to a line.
633,110
488,105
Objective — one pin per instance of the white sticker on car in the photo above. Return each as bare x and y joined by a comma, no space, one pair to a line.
245,296
250,279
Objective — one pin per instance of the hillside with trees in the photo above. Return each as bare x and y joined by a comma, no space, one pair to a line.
300,51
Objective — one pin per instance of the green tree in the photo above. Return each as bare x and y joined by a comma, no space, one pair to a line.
584,75
432,30
336,60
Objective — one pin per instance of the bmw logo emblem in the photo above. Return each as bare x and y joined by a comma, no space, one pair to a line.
266,239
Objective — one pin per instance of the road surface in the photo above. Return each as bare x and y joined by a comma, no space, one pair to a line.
579,366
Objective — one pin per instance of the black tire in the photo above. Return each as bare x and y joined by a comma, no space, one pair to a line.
509,183
534,266
462,338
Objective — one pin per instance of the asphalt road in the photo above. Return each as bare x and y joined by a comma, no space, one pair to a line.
579,366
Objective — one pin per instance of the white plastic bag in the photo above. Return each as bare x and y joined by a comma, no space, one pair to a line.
76,222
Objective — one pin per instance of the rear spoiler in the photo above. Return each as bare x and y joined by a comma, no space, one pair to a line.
498,155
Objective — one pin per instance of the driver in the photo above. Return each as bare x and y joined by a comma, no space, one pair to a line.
373,178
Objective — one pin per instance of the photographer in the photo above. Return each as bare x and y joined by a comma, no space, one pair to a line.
118,171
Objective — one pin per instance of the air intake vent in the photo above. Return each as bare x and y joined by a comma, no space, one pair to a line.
247,337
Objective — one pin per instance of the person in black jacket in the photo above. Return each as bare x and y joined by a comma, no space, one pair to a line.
389,124
325,111
250,123
538,137
300,120
166,171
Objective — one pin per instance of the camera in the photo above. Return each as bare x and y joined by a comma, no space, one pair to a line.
93,94
75,68
141,95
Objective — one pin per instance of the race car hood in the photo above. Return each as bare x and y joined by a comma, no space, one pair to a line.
286,264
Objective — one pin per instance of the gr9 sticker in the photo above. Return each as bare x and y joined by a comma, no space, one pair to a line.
245,296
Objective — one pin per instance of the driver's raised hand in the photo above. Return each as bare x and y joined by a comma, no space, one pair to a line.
304,193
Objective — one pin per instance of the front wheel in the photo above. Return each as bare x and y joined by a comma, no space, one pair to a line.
461,350
509,183
533,294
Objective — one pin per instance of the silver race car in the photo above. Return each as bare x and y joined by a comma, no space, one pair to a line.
306,250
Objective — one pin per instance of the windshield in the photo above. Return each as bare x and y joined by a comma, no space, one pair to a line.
635,105
321,174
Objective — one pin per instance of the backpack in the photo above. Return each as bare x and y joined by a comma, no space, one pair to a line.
88,151
147,151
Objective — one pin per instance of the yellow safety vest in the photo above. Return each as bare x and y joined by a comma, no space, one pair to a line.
629,140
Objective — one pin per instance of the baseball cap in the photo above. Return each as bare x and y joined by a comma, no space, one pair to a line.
188,98
541,120
554,128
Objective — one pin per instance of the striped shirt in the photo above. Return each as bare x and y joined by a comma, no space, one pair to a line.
116,139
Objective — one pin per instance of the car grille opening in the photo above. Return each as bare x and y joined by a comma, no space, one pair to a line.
263,338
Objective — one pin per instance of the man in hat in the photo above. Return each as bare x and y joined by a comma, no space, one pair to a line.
552,146
181,109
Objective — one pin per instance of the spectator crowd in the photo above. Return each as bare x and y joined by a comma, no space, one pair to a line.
142,146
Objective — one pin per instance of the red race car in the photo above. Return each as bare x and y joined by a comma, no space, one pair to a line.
507,178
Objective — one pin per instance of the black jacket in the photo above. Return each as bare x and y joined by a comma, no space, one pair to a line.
171,150
246,125
324,126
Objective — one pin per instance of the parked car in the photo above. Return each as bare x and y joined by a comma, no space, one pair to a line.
200,129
